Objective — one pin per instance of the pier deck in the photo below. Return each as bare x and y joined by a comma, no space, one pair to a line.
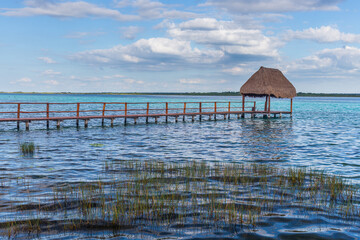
58,112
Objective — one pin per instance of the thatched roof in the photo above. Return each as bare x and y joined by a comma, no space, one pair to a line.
268,81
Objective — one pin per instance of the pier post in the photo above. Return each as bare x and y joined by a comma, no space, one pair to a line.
103,114
86,123
135,119
166,111
58,124
192,118
125,113
200,111
224,116
77,114
238,116
184,111
176,119
27,125
215,117
209,117
156,119
147,112
18,116
112,122
47,115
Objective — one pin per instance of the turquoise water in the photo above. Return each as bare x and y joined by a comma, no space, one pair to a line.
324,134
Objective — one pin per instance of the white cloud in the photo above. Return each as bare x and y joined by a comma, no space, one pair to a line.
24,80
51,82
114,76
148,9
69,9
329,61
50,72
257,6
191,81
157,53
237,70
46,60
130,32
324,34
80,35
226,36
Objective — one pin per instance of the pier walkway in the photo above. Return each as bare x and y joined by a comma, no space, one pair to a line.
27,112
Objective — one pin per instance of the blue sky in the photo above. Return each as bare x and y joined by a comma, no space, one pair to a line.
177,46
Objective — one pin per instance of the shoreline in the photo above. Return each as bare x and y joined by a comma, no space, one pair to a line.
299,94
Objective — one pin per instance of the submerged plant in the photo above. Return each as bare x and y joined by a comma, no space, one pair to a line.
27,148
154,193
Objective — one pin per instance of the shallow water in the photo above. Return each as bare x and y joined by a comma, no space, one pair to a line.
323,134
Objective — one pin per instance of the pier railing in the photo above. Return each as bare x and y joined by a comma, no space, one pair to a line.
23,111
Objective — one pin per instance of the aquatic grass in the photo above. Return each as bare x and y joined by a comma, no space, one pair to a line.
96,144
154,193
27,148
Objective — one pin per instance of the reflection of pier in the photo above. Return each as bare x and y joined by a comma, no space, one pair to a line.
85,111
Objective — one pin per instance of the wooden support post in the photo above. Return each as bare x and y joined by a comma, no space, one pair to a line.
184,111
209,117
215,107
103,114
238,116
125,121
18,116
125,113
269,104
224,116
86,123
176,119
215,117
47,115
166,111
27,125
243,106
147,112
135,119
112,122
200,110
265,107
266,103
291,107
192,118
58,124
156,119
77,114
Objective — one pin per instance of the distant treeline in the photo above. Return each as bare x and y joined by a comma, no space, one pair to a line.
228,93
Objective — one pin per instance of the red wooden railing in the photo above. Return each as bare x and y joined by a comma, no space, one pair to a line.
30,111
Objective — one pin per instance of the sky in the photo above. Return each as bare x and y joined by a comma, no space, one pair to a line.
177,45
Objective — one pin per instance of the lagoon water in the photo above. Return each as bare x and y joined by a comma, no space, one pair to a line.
324,134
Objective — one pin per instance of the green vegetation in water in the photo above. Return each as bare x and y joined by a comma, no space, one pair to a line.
96,145
167,195
27,148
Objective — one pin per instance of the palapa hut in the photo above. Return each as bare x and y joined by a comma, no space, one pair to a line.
268,82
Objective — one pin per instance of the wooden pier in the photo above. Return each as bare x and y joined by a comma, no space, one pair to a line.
26,112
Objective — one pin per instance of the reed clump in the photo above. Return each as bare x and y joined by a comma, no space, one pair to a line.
154,193
27,148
